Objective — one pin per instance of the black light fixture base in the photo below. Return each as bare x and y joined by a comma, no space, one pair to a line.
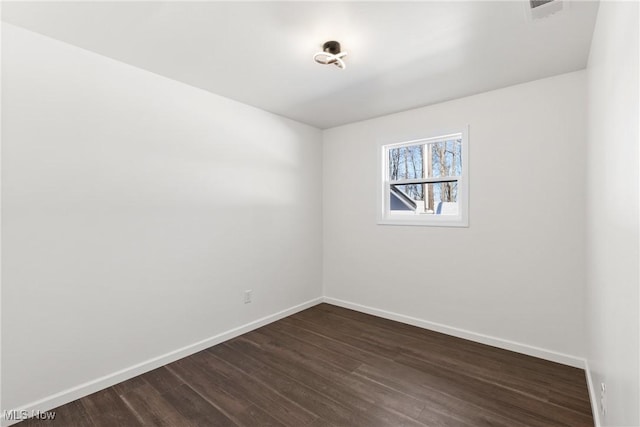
332,47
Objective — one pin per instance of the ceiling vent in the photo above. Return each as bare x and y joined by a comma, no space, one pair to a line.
538,9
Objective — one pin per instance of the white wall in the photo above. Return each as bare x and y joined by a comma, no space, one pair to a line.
135,211
612,224
517,273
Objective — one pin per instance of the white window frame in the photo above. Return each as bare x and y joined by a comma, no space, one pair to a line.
385,217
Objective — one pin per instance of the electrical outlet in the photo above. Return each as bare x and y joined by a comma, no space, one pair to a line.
603,399
247,296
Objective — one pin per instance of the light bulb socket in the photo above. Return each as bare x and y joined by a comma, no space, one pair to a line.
332,47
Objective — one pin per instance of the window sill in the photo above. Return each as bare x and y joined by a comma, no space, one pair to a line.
425,222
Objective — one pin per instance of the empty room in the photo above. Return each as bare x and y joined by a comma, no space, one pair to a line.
320,213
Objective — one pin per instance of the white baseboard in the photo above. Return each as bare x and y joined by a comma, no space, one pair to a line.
593,393
554,356
101,383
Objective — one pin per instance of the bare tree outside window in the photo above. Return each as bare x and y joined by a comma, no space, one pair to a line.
430,160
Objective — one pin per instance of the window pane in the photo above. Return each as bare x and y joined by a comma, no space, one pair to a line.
430,199
446,158
426,160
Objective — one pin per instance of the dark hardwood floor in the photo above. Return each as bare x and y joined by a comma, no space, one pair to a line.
328,366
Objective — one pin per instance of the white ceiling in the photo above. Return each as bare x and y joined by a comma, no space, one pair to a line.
401,54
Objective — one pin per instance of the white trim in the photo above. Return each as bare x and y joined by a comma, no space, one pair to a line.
593,396
420,220
101,383
554,356
442,137
436,179
545,10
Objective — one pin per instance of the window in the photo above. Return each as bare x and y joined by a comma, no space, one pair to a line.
425,182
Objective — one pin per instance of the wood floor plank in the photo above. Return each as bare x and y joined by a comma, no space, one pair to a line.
308,365
131,384
531,382
495,399
106,409
508,359
430,413
438,400
442,406
162,380
213,390
333,367
513,393
443,356
324,407
323,325
195,408
72,414
246,387
152,409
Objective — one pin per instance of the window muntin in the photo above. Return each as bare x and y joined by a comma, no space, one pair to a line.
425,181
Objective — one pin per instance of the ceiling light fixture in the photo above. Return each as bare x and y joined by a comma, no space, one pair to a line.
331,55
